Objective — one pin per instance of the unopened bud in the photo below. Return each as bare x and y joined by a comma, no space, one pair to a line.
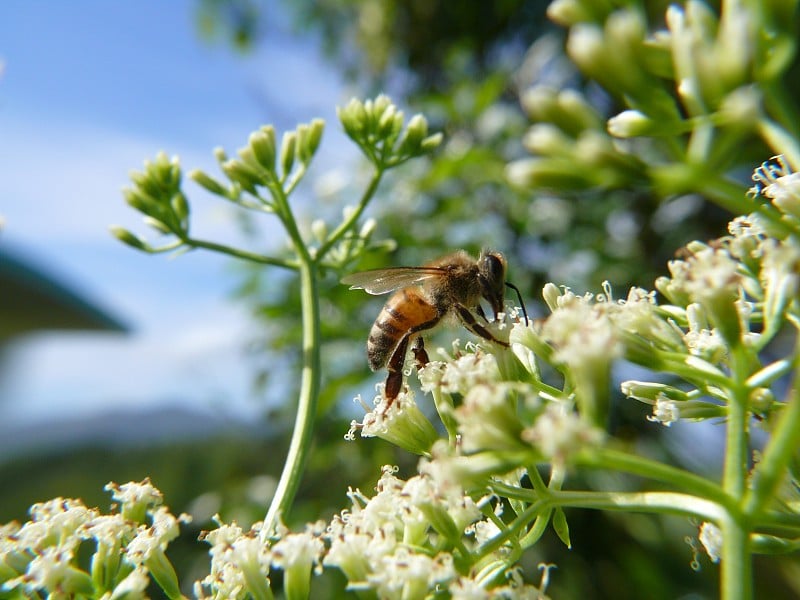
128,238
288,150
209,183
262,143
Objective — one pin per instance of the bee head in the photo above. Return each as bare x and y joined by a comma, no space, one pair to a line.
492,275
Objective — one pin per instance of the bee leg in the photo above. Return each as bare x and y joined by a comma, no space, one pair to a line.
420,355
470,323
394,380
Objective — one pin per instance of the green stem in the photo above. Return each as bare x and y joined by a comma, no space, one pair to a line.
607,458
310,377
351,220
243,254
307,402
649,502
736,565
736,578
770,470
736,440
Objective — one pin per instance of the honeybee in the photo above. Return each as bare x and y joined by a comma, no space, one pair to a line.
451,285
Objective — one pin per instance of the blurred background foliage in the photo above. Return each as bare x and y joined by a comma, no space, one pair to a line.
466,66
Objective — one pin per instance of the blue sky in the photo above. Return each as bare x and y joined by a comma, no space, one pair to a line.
91,89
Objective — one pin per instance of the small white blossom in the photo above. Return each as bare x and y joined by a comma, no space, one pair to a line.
402,423
485,531
559,433
60,521
465,588
469,369
582,334
407,574
665,411
785,193
239,560
297,548
50,570
156,538
110,530
133,586
142,492
711,538
487,419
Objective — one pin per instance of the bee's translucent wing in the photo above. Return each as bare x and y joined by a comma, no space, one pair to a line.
383,281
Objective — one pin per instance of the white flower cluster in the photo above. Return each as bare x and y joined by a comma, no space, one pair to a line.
41,556
401,543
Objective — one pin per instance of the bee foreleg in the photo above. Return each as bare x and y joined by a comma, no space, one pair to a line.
470,323
420,355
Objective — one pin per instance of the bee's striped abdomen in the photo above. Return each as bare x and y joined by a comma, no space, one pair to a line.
404,311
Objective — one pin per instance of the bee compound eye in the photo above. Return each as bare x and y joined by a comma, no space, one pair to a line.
493,267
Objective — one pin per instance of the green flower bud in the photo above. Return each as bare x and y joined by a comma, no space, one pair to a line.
301,145
315,130
249,159
240,173
430,143
380,105
288,152
319,230
631,123
741,108
386,120
126,237
547,139
762,399
220,154
158,225
166,170
568,12
262,144
180,207
208,182
575,113
353,118
140,200
412,137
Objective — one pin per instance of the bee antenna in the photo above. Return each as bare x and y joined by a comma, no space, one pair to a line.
521,303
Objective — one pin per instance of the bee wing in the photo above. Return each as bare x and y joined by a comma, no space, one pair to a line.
383,281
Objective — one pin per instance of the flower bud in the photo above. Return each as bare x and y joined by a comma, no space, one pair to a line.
741,108
320,230
315,130
126,237
242,174
208,182
262,144
431,143
540,102
412,137
568,12
301,145
353,118
630,123
288,151
180,207
546,139
387,121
